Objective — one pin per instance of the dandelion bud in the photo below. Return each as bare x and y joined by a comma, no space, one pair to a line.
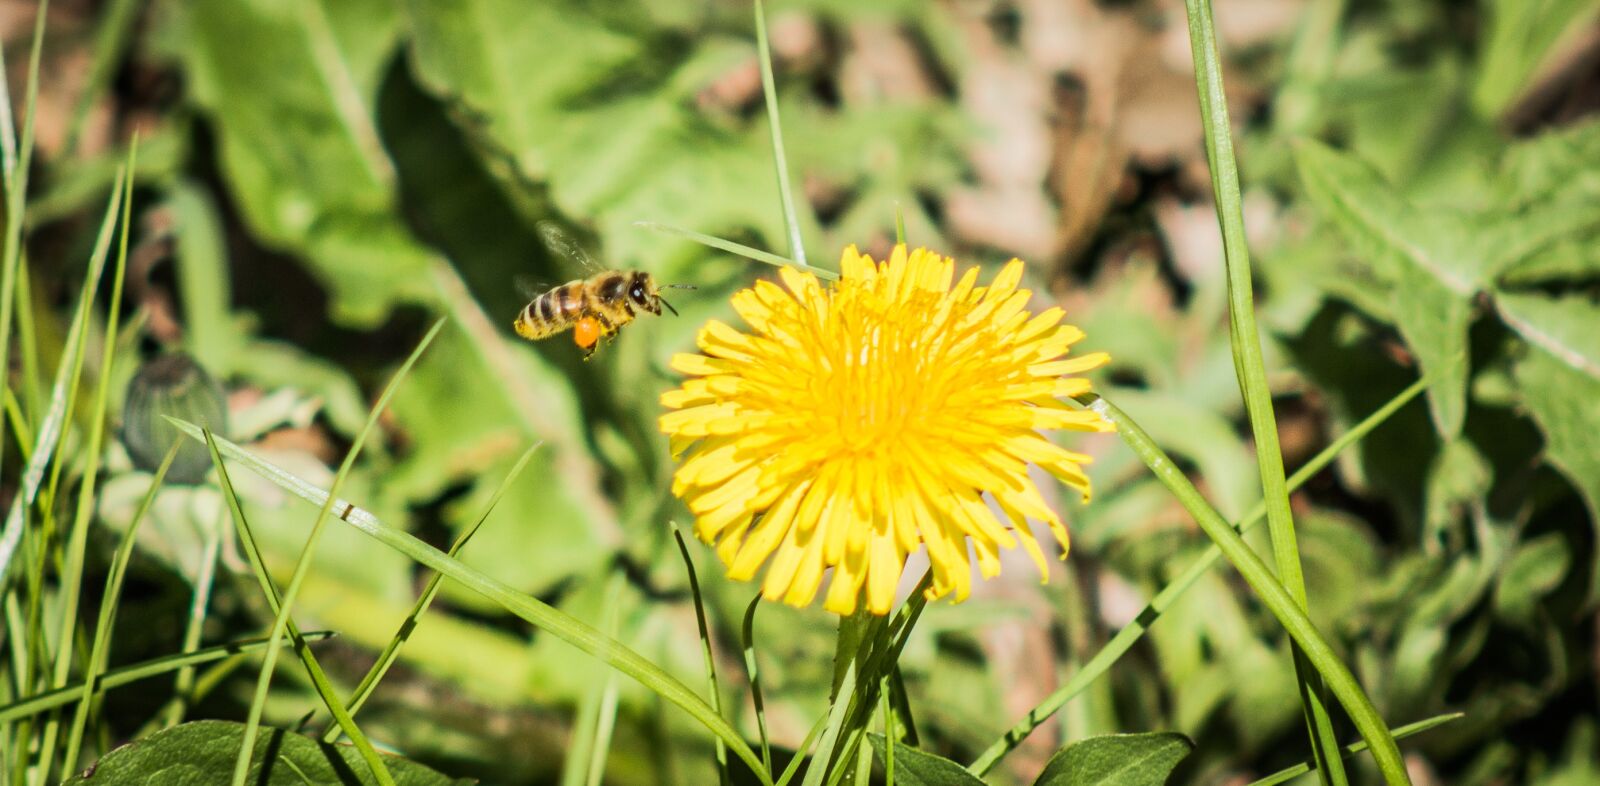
172,385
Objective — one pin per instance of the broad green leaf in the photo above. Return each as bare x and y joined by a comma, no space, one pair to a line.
202,753
919,768
1574,258
1565,403
1117,760
1554,166
1522,34
1566,327
289,88
1426,256
211,334
1532,572
1434,320
537,80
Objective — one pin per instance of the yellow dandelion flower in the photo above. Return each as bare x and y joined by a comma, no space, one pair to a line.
857,423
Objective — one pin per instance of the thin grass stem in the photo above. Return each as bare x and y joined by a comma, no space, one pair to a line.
303,565
1351,750
752,672
125,675
559,624
391,651
319,679
17,159
1163,600
108,609
1271,593
71,577
1250,369
769,89
199,602
705,647
738,249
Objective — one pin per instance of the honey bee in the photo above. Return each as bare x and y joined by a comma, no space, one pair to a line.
593,308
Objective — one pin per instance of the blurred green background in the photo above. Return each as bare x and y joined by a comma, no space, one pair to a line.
317,181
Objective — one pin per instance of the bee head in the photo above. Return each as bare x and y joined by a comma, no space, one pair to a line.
642,291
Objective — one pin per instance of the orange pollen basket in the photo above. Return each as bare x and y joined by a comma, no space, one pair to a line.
586,332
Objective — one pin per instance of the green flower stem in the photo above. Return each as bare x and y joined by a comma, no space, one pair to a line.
1249,367
1272,594
1133,631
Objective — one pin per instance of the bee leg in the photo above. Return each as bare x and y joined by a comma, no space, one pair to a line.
608,332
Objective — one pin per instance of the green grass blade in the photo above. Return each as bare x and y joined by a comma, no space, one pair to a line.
735,248
1267,588
28,342
1348,751
62,392
71,579
319,679
901,703
116,678
110,40
1250,369
769,88
604,725
108,609
561,625
753,672
801,753
303,565
838,711
17,160
591,735
1125,638
391,651
705,647
183,684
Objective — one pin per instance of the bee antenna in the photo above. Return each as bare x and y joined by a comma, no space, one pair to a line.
663,302
679,286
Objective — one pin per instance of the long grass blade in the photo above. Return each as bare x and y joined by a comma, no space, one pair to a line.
738,249
125,675
17,159
303,565
1250,369
1351,750
319,679
391,651
769,89
547,618
705,648
199,602
108,608
1133,631
54,421
1267,588
78,538
752,671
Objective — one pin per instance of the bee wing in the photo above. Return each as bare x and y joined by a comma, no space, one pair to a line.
558,241
528,287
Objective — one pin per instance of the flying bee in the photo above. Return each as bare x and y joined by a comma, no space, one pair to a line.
593,308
